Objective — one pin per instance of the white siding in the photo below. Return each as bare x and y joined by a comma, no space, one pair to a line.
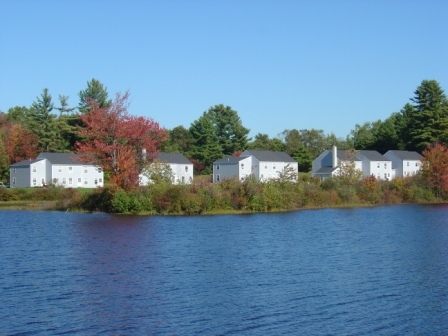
402,167
380,169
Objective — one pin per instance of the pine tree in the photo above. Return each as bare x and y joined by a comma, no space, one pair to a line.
96,92
429,119
229,129
43,123
206,147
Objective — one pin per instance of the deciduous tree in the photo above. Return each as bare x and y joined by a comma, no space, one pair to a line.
264,142
16,144
179,141
158,172
115,140
435,168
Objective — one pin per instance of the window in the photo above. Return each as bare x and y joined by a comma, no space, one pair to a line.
101,180
217,167
79,180
273,165
183,179
265,166
385,165
385,175
217,178
242,166
34,169
85,171
70,181
96,181
85,180
407,163
13,170
186,168
64,181
70,169
59,170
13,180
378,165
34,181
416,164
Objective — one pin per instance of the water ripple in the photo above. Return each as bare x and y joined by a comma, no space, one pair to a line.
374,271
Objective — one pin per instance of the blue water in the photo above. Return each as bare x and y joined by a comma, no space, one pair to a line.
366,271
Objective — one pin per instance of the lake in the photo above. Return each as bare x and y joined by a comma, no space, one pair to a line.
361,271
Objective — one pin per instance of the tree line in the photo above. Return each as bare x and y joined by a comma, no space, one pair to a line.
107,134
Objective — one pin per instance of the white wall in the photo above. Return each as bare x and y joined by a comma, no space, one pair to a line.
380,169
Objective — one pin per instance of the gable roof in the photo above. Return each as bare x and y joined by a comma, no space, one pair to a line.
270,156
25,163
373,155
231,159
344,155
62,158
406,155
172,158
326,170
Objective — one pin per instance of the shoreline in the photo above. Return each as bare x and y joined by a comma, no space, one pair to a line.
52,206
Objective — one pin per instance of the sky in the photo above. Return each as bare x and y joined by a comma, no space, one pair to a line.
281,64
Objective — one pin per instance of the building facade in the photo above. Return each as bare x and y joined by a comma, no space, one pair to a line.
57,169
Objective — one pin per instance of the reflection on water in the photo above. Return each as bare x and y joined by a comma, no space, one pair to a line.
362,271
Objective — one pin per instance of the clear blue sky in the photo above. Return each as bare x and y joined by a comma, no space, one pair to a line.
280,64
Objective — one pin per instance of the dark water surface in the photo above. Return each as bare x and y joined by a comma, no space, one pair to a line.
366,271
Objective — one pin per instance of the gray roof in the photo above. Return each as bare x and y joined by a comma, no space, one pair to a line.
325,170
406,155
230,159
373,155
25,163
345,154
172,158
61,158
270,156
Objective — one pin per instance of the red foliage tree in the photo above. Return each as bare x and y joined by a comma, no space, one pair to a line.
435,168
20,144
115,140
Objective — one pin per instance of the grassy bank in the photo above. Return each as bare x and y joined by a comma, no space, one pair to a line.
230,196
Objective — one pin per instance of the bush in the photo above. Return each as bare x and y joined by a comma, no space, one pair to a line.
69,198
100,200
6,194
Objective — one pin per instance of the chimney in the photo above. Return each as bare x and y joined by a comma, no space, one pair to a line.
335,157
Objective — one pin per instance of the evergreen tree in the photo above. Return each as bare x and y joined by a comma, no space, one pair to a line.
428,122
386,136
95,91
403,120
44,124
206,147
229,129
